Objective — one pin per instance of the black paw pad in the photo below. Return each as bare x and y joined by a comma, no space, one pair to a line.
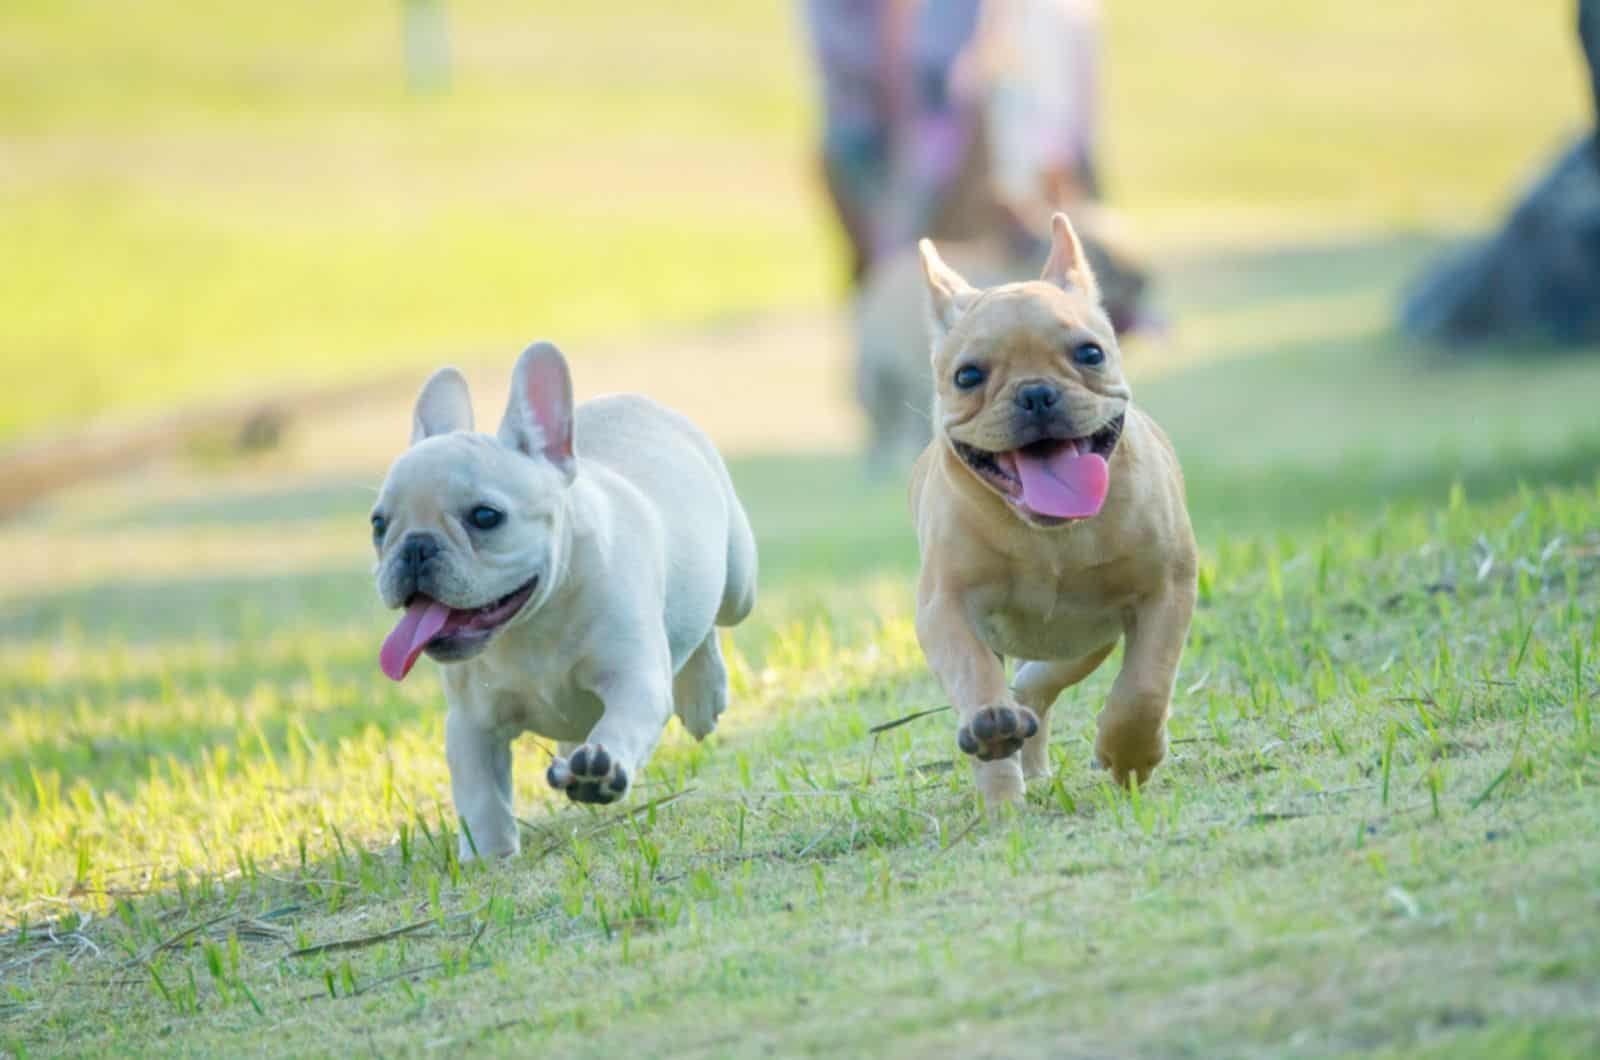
591,775
996,732
601,790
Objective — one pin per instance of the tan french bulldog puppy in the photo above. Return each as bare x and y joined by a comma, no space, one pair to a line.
569,573
1051,520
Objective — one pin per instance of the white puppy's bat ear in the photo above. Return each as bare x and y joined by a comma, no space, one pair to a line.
443,406
539,415
949,296
1068,266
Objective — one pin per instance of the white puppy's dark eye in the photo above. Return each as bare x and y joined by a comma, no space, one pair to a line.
379,526
969,376
1089,355
484,517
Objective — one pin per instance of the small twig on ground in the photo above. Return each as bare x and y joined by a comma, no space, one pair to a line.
556,840
1271,816
896,723
361,940
304,881
879,730
959,836
173,941
408,973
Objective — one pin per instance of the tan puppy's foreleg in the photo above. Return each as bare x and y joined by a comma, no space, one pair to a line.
1132,739
1037,687
992,727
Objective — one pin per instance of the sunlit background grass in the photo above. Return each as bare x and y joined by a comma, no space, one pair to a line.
203,200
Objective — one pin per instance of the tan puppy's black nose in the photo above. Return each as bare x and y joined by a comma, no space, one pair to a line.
1037,399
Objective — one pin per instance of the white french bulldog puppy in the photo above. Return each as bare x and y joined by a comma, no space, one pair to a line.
569,572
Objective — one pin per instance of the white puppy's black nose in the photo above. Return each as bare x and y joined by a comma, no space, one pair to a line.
1037,399
417,550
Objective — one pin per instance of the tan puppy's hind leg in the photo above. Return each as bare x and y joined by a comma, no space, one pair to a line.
1037,687
1132,739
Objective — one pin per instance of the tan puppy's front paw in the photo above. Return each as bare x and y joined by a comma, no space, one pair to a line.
590,775
996,732
1129,751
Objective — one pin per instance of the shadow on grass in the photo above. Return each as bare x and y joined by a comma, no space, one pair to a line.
1222,280
221,608
1226,503
819,522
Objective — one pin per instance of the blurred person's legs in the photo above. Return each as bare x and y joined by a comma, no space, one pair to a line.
1040,70
854,52
939,128
1039,65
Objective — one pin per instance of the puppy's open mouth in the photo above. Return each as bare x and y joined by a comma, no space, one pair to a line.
1051,480
447,633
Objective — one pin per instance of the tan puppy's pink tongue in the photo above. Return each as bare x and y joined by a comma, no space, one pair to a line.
1064,485
421,623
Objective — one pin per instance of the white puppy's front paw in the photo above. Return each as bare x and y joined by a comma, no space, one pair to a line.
592,774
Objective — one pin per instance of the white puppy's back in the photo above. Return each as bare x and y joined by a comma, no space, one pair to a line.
679,475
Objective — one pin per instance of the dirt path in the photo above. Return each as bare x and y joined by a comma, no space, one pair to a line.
772,383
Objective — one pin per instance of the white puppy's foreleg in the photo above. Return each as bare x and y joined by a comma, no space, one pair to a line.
637,704
480,783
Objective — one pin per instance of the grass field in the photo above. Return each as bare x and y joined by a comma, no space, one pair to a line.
225,832
200,201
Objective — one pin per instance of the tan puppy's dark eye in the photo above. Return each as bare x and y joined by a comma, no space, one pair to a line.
1089,355
380,525
969,376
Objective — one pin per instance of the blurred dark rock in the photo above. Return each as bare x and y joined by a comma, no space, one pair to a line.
1538,278
263,429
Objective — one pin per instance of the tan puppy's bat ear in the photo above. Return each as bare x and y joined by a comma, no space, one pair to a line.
949,296
1068,266
538,417
443,406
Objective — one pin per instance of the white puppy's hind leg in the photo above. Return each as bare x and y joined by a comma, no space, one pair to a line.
700,689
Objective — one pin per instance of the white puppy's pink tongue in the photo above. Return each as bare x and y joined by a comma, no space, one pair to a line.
421,623
1065,484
